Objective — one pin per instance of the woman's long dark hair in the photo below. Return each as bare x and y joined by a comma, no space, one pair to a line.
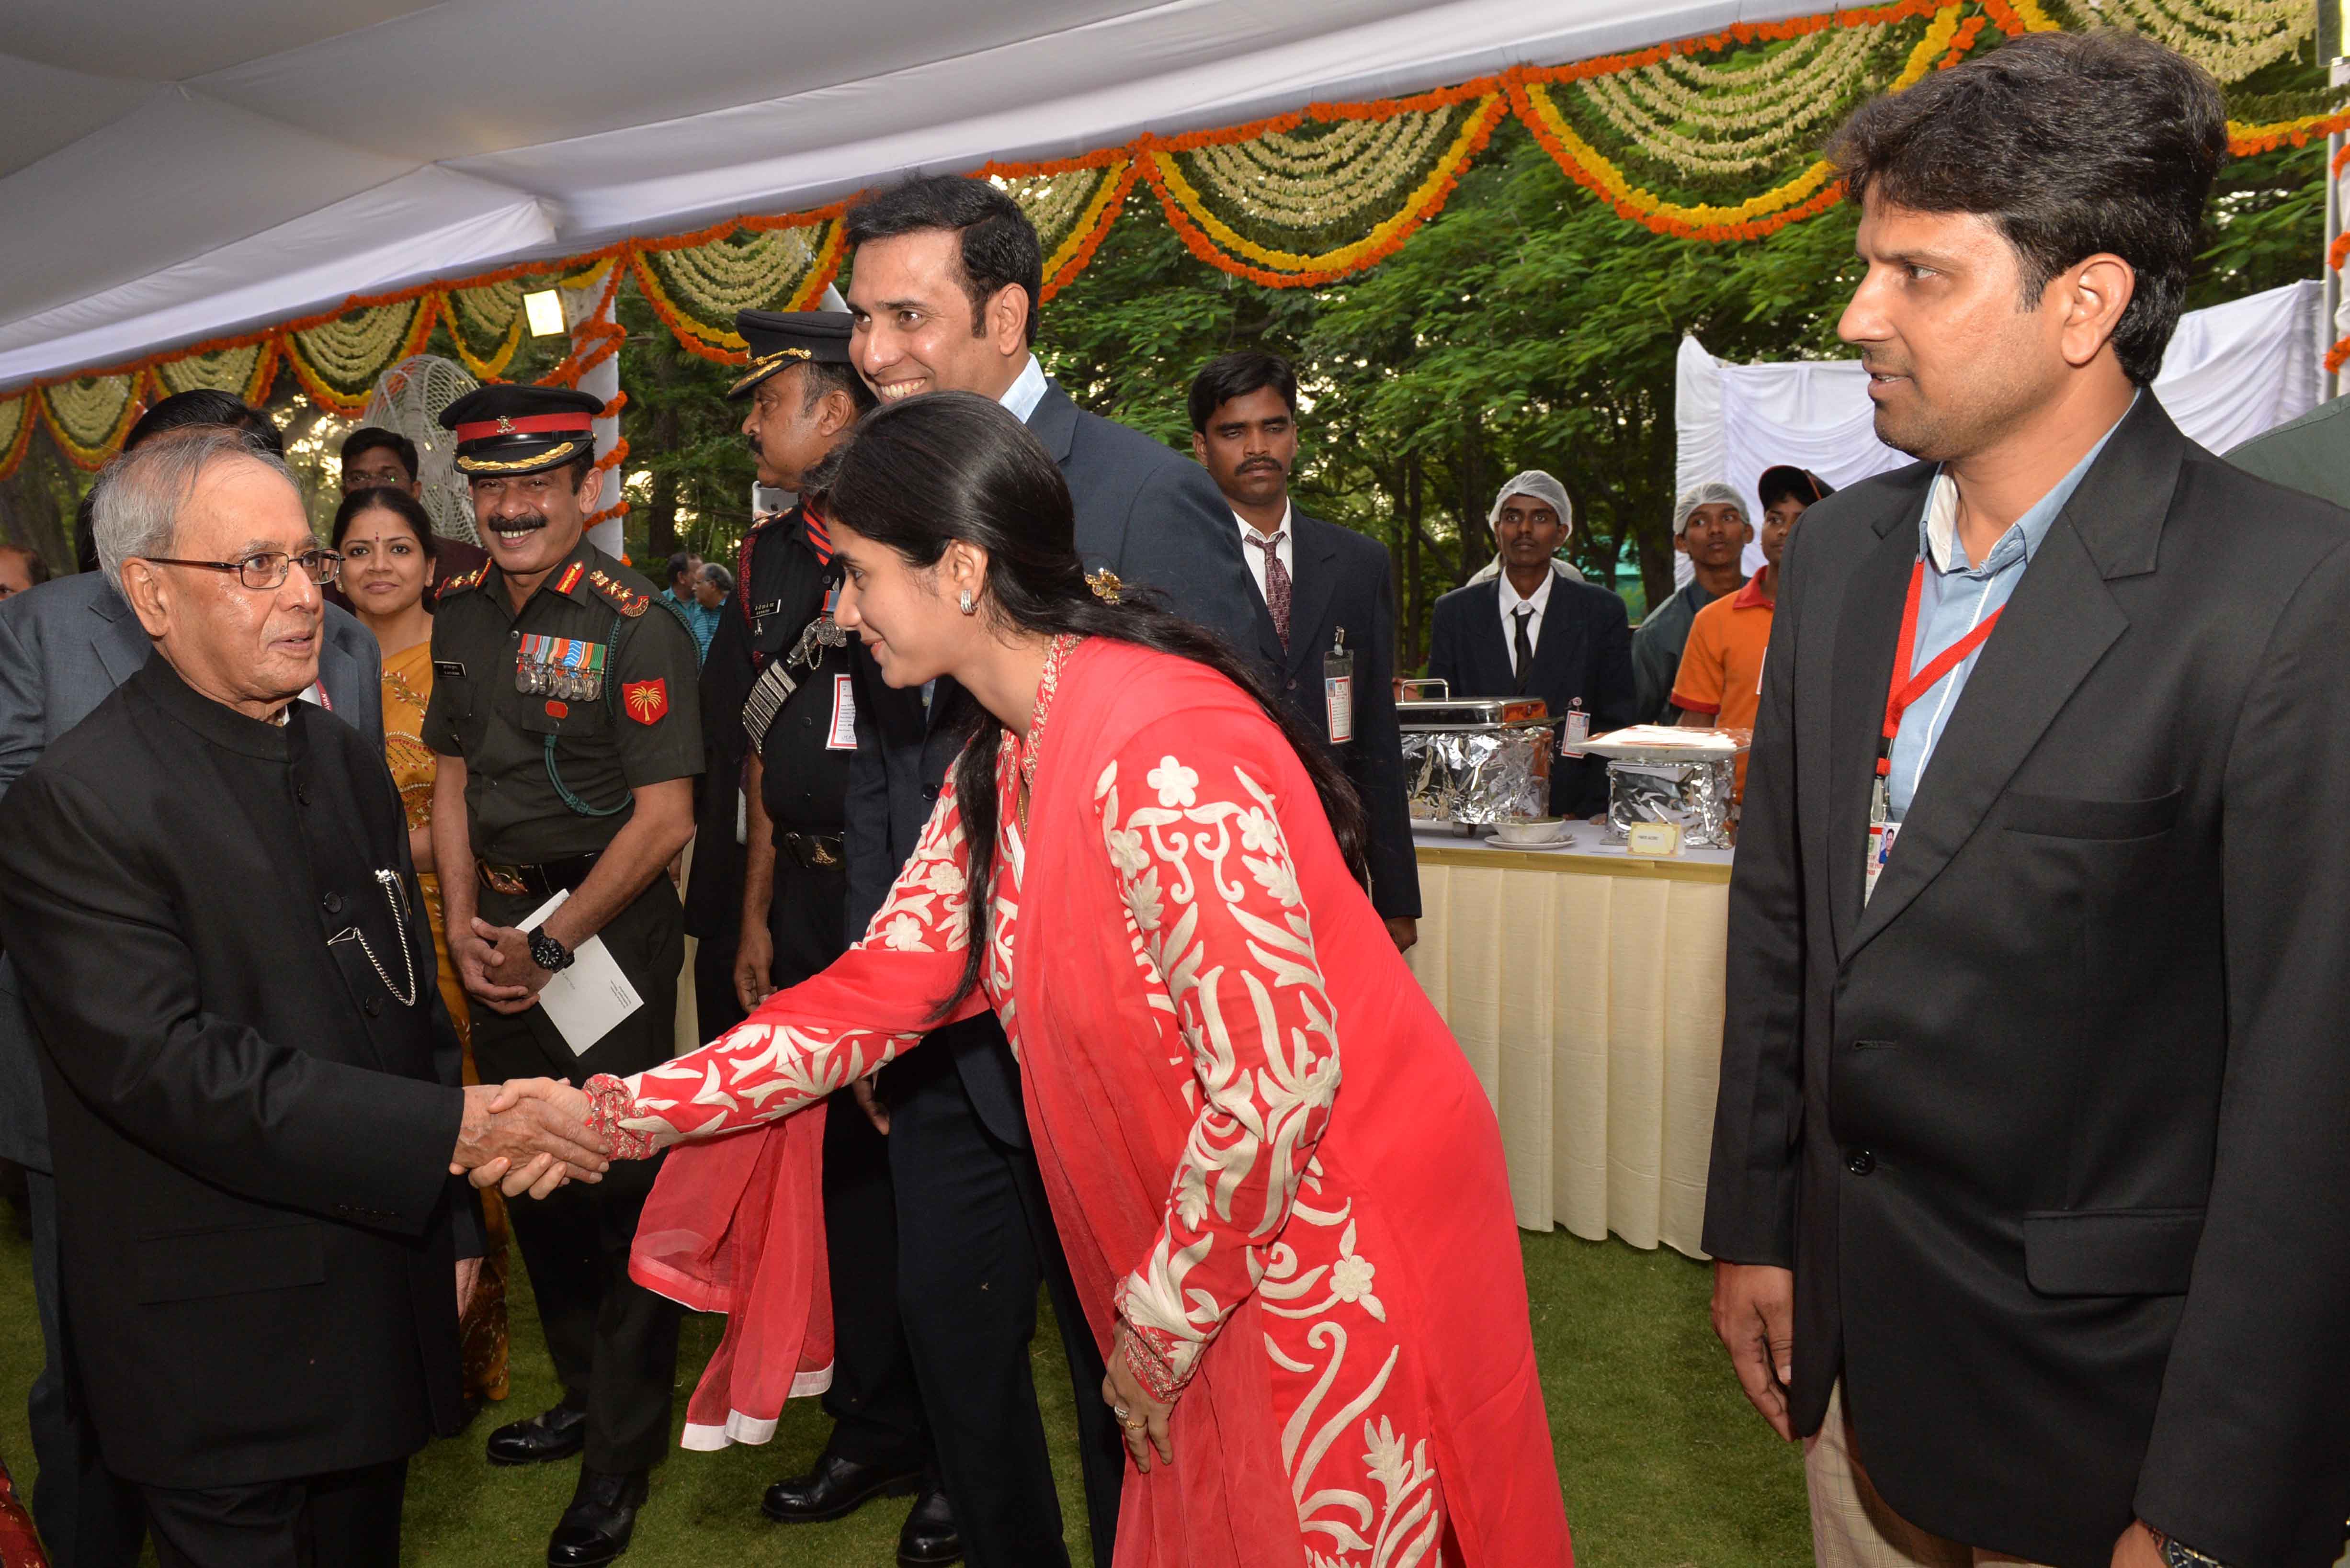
917,475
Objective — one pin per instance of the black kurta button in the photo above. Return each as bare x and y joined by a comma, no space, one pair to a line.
334,903
302,793
374,1007
929,792
1859,1161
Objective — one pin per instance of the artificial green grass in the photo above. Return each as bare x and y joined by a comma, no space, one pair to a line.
1664,1464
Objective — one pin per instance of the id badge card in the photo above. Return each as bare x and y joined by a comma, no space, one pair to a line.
1575,731
842,736
1881,835
1338,691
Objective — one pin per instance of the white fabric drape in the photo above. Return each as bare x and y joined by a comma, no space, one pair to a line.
2231,371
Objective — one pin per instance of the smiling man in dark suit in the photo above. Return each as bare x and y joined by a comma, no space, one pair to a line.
1319,587
2030,1191
1531,632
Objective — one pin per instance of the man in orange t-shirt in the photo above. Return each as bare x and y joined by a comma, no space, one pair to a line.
1720,679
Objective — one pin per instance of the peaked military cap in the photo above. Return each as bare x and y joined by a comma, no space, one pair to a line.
506,429
781,338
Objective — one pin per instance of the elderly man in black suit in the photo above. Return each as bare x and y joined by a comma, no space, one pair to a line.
2029,1188
1530,632
62,650
947,275
253,1094
1320,588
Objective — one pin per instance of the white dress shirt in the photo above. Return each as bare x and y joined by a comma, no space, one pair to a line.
1509,603
1027,391
1255,557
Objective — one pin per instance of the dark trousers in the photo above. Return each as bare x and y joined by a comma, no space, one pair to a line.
348,1520
875,1403
87,1517
613,1342
715,1007
975,1238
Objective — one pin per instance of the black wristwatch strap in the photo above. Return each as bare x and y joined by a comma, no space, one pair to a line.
548,954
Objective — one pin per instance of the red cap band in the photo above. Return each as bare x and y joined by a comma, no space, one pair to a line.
529,424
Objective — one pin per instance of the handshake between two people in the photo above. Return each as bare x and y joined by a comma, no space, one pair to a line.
529,1134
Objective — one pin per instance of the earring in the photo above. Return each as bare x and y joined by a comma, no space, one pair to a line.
964,603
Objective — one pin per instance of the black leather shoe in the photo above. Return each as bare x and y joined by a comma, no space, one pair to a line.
555,1434
597,1526
835,1488
930,1538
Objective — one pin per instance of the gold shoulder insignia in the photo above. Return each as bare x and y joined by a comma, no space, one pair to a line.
622,597
463,580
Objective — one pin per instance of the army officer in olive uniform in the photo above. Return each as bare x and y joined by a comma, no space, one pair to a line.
799,726
564,713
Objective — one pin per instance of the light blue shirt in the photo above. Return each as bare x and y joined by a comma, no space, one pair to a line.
1954,599
1027,391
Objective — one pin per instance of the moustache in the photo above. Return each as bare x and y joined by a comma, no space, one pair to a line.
521,523
752,440
1261,465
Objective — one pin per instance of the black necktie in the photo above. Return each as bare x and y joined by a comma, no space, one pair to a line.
1525,649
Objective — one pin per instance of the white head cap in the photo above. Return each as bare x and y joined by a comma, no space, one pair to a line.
1712,492
1540,487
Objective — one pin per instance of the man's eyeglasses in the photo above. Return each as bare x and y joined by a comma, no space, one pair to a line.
268,569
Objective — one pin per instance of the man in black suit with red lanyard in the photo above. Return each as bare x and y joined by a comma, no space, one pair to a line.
1533,632
1320,588
2030,1191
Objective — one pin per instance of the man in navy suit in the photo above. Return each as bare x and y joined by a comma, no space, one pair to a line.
1319,587
64,647
1531,632
947,274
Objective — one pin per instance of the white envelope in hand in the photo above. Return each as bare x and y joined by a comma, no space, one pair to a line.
586,1001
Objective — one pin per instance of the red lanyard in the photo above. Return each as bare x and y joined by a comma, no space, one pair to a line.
1899,695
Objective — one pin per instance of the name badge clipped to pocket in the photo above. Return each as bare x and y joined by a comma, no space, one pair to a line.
1338,690
843,735
1575,731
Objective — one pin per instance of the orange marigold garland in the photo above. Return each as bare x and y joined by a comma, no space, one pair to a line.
1219,245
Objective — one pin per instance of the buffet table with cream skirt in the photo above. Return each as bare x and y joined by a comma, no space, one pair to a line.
1585,987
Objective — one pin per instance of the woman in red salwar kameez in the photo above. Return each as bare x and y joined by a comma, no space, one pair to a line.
1279,1186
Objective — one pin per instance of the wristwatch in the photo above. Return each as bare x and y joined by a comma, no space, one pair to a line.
548,954
2176,1554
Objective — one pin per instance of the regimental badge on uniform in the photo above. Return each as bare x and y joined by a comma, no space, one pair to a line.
646,701
560,667
624,598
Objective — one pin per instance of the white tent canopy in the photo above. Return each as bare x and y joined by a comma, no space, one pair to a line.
172,171
2230,372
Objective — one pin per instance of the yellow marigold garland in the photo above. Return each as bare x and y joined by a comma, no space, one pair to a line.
1119,168
1811,191
1218,244
327,356
79,420
18,419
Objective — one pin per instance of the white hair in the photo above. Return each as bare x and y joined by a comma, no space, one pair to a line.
134,508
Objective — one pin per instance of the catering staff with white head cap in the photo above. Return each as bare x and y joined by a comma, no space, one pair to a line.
1712,528
1532,632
